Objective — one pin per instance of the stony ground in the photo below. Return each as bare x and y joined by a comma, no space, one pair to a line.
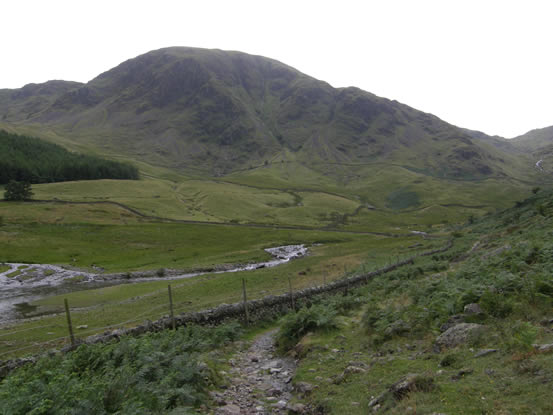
260,381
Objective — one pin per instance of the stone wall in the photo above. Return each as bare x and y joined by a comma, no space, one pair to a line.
257,309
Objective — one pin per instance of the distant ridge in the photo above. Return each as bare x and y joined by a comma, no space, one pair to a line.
216,112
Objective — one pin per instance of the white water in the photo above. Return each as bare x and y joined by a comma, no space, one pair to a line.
43,280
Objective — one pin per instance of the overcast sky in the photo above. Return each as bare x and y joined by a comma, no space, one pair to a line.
485,65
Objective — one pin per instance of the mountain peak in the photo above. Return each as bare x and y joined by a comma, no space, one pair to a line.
224,110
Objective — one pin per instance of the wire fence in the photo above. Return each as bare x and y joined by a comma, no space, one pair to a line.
243,299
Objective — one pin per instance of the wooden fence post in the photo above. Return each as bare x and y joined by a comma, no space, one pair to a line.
69,324
245,299
347,287
291,294
171,312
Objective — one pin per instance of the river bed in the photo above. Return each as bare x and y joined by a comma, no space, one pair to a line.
25,283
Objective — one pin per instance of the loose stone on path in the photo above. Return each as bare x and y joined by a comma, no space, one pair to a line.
260,382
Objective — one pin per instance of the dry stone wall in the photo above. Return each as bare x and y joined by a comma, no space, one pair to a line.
257,309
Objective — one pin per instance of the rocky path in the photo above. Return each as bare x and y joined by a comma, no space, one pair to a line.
260,381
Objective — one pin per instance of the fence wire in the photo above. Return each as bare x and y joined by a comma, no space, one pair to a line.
183,306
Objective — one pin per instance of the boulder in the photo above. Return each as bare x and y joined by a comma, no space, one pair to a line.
399,390
229,410
459,334
472,308
462,373
452,321
397,328
545,347
485,352
303,388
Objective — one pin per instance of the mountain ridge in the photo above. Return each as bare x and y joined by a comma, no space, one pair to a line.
220,111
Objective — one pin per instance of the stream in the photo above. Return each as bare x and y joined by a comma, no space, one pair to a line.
24,283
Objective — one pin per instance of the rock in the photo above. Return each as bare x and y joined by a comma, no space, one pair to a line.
459,334
296,408
497,251
229,410
485,352
462,373
397,328
410,383
218,398
273,364
274,392
452,321
545,347
472,308
82,327
304,388
400,389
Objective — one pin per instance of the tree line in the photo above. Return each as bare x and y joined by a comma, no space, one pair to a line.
29,159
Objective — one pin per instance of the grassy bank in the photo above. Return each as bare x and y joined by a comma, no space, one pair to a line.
502,263
49,233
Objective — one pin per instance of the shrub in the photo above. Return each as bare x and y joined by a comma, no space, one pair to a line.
545,288
496,304
448,360
344,304
296,325
522,337
154,373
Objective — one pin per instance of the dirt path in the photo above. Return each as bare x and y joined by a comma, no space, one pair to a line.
260,381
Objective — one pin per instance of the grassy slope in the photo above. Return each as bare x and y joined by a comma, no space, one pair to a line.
280,194
54,233
508,273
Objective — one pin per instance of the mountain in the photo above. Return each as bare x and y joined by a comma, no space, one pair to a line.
536,141
217,112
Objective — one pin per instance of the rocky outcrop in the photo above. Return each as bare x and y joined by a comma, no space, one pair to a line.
409,383
458,334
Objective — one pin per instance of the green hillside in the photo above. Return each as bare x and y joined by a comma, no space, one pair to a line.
394,344
215,112
400,347
36,161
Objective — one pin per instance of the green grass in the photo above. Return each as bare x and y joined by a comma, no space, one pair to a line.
508,272
4,268
150,246
14,274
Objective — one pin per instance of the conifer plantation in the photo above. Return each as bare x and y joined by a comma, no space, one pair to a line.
32,160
